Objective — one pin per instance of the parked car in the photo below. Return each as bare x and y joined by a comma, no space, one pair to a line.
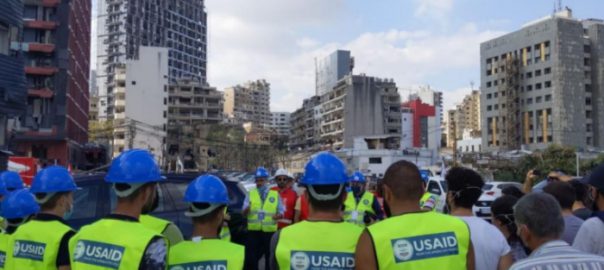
438,186
490,192
96,199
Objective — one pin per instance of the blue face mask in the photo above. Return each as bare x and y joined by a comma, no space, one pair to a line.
69,213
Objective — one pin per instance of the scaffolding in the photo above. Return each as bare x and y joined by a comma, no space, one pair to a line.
509,101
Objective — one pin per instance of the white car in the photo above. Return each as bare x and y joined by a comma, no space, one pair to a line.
438,186
490,192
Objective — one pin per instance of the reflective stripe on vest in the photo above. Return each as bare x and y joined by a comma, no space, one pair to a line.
110,244
317,245
225,233
35,245
156,224
354,212
429,240
425,198
3,248
261,213
206,254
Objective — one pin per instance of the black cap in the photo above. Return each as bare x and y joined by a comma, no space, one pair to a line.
596,178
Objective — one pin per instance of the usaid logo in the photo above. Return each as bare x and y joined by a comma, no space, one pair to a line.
29,250
424,247
366,202
316,260
271,199
99,254
207,265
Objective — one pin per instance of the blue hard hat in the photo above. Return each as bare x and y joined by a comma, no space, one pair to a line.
53,179
207,189
134,166
19,204
12,180
357,177
261,172
3,190
325,169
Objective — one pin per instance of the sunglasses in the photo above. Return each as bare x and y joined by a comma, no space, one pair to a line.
281,179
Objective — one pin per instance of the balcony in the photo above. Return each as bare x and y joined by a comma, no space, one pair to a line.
41,93
43,71
38,24
41,47
120,103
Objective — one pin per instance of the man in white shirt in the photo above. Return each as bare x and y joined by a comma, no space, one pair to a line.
490,246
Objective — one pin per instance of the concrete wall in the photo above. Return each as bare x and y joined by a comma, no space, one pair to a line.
146,97
406,130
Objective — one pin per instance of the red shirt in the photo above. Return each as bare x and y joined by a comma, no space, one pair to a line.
289,197
303,207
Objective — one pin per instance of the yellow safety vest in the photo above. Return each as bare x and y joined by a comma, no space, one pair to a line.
3,248
206,254
422,240
425,198
156,224
261,213
110,244
35,245
354,212
317,245
225,232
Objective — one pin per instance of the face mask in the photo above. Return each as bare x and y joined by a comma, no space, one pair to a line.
69,213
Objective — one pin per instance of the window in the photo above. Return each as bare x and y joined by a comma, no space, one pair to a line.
496,94
375,160
495,83
586,62
529,75
529,88
538,86
4,40
434,188
587,101
588,88
489,96
547,70
548,84
496,107
529,101
538,99
538,73
586,48
548,97
489,84
588,128
489,108
177,192
133,82
588,114
86,199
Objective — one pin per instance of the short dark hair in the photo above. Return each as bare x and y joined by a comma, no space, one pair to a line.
404,179
581,190
513,191
563,192
503,211
207,217
541,213
328,205
466,185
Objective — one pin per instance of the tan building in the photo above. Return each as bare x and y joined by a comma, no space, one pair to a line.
192,104
465,118
249,102
306,124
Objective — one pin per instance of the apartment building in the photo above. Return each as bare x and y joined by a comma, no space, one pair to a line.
281,123
305,124
465,118
249,102
331,69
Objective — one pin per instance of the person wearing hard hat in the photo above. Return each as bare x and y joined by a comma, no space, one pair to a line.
288,196
167,228
324,240
3,192
361,207
263,207
12,181
18,207
428,201
53,188
208,198
120,241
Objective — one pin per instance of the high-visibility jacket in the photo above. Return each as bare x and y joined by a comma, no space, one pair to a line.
110,244
288,198
206,254
35,245
260,217
156,224
317,245
3,248
354,212
426,200
422,240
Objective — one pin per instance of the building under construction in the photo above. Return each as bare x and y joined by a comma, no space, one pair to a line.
544,84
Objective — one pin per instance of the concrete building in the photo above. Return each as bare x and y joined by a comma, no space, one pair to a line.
249,102
469,143
406,127
12,76
56,47
425,125
360,106
141,106
281,123
544,84
465,117
126,25
191,103
93,108
433,98
332,69
305,125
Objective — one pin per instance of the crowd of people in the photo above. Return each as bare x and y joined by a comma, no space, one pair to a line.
330,222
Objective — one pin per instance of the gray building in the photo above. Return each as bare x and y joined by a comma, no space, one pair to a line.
125,25
305,124
249,102
12,76
544,84
280,123
332,69
360,105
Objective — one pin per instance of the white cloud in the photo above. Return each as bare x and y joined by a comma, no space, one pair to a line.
433,8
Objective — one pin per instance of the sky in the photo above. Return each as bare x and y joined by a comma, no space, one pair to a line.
414,42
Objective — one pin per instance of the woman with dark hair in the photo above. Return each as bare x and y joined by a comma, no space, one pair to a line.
502,214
